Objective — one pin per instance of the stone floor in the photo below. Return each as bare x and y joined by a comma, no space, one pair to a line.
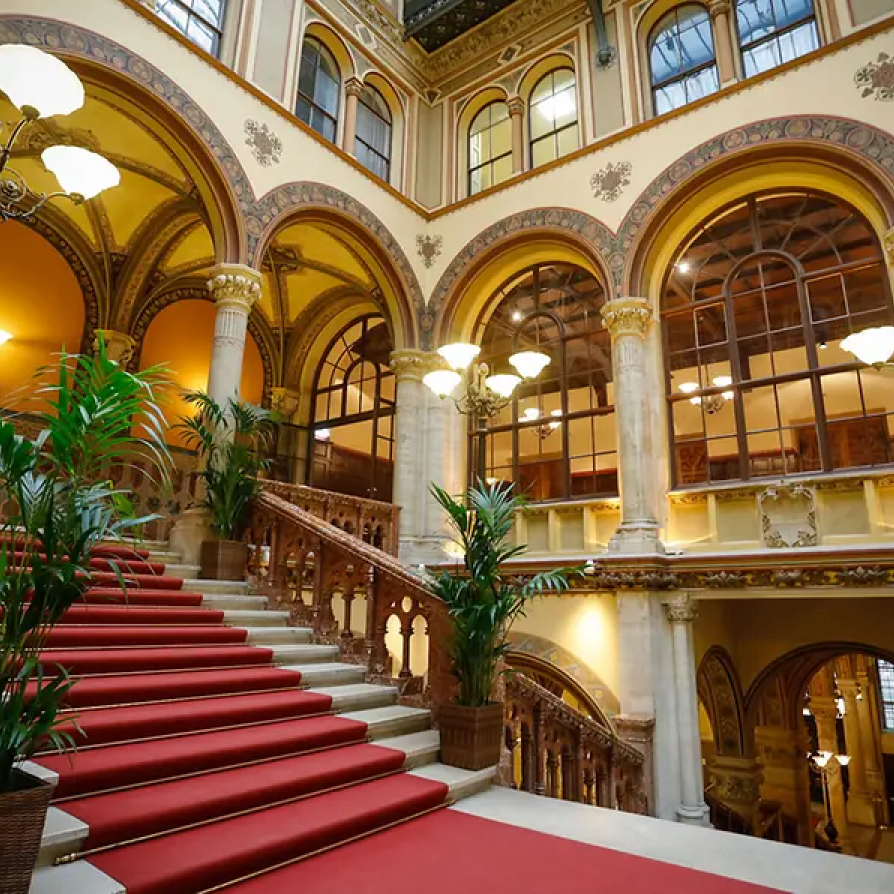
788,868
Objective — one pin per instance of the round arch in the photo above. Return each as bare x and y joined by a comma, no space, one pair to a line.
721,694
473,105
154,97
491,257
335,45
537,70
835,156
368,237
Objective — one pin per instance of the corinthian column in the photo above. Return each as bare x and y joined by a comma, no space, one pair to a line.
627,320
723,44
353,89
119,345
235,289
681,612
516,116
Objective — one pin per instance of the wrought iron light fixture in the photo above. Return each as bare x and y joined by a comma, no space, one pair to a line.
712,403
42,86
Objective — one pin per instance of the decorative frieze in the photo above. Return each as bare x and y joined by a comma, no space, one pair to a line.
788,516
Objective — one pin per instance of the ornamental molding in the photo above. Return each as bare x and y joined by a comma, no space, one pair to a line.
876,79
429,248
265,145
119,345
411,364
889,247
788,516
609,183
626,316
235,287
680,609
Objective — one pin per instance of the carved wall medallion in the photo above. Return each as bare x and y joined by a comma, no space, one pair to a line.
428,248
265,145
788,516
876,79
609,183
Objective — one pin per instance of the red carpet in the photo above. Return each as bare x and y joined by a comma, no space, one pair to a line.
454,852
135,614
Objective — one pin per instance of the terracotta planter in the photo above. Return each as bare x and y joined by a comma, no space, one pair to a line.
224,560
471,738
22,815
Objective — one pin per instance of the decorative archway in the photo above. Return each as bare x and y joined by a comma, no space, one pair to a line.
721,693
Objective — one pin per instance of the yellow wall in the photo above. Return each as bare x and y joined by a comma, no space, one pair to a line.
180,337
41,304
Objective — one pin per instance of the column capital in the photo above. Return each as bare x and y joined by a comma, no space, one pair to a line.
285,401
119,345
888,241
353,87
516,106
718,8
681,609
235,286
627,316
413,364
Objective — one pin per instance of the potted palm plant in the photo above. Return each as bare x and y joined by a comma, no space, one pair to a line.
55,507
483,599
230,441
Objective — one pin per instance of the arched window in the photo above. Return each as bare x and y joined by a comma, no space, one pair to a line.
353,413
373,142
201,21
774,31
553,116
681,58
490,147
319,85
557,437
755,308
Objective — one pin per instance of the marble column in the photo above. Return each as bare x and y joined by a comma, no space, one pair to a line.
353,89
627,320
681,612
825,712
428,448
860,809
869,737
119,345
723,43
517,119
235,289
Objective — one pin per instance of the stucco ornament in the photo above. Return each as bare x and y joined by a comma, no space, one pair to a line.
265,145
788,516
609,183
877,78
429,248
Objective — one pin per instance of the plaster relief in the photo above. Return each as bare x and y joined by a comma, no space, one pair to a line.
788,516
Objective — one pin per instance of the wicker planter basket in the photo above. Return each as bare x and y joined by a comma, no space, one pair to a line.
471,738
22,815
224,559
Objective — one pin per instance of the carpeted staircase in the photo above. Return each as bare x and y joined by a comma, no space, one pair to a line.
215,742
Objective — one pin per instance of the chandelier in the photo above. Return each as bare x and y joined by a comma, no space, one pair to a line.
874,347
711,403
42,86
547,427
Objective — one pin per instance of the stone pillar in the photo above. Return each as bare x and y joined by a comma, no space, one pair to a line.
627,320
235,289
119,345
860,809
825,711
869,737
737,784
353,89
291,443
517,118
723,43
681,612
783,756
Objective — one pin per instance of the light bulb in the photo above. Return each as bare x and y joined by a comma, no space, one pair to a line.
532,413
4,336
722,381
80,172
442,381
843,759
873,347
503,385
35,80
683,266
322,434
459,354
529,363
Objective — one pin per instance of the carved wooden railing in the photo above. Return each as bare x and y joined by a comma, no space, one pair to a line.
350,591
556,751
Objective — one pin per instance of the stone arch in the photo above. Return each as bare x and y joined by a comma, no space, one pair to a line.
585,235
106,63
864,153
721,693
195,289
569,665
295,201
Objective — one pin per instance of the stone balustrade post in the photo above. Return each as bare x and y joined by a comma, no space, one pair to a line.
681,612
517,119
628,320
235,288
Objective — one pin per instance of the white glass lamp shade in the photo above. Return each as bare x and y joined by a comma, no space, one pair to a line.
4,336
80,172
531,413
688,388
322,434
459,354
871,346
843,759
31,77
529,363
442,381
503,384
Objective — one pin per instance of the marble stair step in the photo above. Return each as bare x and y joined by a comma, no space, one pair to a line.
392,720
303,653
178,569
81,877
271,636
63,834
358,696
215,587
231,602
251,618
462,783
328,673
420,748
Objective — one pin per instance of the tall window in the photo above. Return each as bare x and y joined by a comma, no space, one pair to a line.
201,21
755,308
319,86
886,685
681,58
557,437
774,31
353,416
490,147
553,117
373,143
